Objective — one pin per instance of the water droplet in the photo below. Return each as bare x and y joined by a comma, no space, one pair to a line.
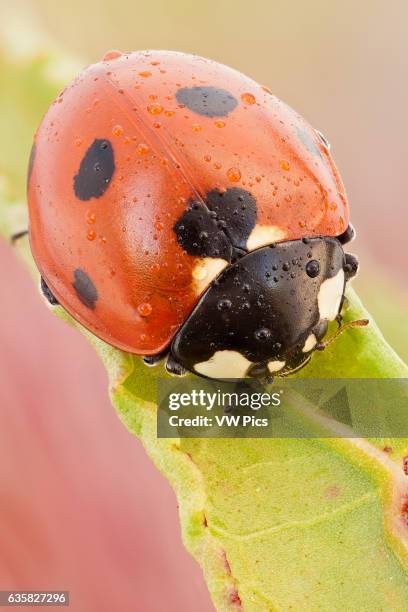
117,130
142,149
111,55
234,175
155,108
144,309
224,304
78,142
248,98
90,218
220,123
262,334
312,268
169,113
286,266
145,74
196,127
207,158
284,164
91,235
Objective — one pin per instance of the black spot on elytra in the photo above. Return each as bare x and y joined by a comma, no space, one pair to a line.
85,289
31,163
235,210
96,170
207,101
198,233
220,226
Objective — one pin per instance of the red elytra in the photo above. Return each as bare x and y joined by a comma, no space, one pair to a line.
120,156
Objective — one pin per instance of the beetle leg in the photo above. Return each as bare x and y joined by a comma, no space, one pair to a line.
174,367
154,360
47,293
15,237
260,372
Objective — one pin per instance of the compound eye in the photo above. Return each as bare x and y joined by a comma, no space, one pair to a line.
350,266
323,140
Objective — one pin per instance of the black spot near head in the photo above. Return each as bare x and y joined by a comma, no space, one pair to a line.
96,170
207,101
31,163
199,235
235,210
219,226
85,289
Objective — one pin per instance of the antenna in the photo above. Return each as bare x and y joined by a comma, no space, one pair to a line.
360,323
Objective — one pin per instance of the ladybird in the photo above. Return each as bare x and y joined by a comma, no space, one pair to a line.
177,208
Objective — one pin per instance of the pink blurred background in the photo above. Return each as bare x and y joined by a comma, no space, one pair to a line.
82,506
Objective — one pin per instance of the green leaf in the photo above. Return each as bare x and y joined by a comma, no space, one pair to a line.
285,524
310,524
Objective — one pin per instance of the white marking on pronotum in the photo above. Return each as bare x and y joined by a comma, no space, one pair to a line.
275,366
205,270
263,235
330,294
310,343
224,364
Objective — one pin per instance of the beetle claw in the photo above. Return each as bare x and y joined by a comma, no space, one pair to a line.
153,360
175,368
47,293
15,237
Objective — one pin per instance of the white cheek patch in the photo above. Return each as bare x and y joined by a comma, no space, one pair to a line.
330,294
263,235
224,364
275,366
205,270
310,343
